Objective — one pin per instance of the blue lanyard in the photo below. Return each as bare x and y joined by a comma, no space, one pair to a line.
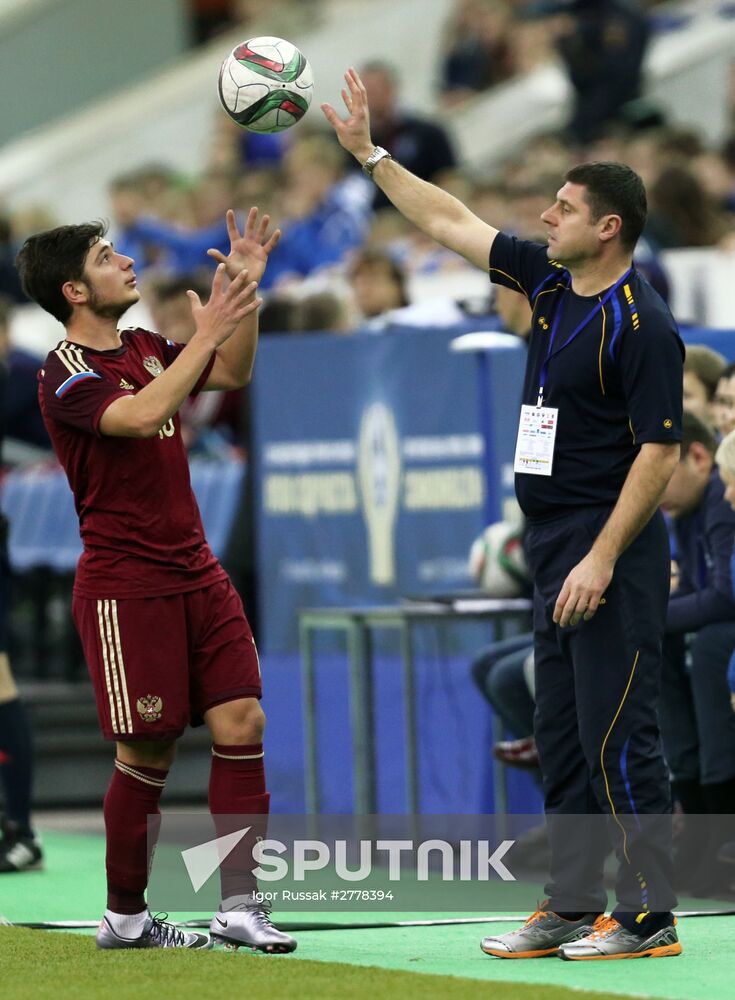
555,326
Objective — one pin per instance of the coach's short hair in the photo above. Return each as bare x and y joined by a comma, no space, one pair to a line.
614,188
47,260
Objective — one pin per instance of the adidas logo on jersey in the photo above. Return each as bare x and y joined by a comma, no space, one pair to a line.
126,385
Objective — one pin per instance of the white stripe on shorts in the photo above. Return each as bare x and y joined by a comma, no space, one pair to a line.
114,667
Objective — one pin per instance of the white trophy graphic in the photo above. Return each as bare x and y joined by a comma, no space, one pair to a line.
379,475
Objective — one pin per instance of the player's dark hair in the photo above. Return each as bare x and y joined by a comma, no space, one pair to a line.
613,188
694,430
47,260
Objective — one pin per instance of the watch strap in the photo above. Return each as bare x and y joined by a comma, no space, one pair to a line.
374,159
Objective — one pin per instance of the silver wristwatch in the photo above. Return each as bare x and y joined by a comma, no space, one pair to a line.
375,157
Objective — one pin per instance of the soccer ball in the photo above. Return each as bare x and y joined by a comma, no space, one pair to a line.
266,84
497,562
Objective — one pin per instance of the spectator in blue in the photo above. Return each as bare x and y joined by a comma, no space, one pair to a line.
602,44
697,724
20,416
478,50
725,458
151,241
325,212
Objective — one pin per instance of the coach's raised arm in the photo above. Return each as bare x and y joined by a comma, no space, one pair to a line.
437,213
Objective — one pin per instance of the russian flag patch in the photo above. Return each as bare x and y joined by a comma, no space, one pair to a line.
72,380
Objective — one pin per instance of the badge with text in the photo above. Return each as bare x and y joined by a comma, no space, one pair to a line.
535,443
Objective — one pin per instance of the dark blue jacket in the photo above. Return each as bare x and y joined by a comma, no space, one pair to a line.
705,548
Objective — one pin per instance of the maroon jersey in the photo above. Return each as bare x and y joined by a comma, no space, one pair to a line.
138,518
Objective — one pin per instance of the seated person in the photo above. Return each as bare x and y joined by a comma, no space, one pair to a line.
703,369
325,213
697,724
499,671
378,283
723,404
421,144
725,458
503,671
20,415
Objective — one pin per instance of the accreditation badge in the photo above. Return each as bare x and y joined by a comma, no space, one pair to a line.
535,442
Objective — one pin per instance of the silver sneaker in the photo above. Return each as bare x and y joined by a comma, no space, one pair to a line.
242,920
541,935
609,939
157,933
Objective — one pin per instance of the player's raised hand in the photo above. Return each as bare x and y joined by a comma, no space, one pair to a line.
353,132
226,307
249,249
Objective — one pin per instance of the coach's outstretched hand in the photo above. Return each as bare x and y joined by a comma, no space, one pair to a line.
249,250
353,132
226,307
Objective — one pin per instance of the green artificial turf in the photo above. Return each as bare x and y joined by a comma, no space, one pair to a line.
421,961
50,965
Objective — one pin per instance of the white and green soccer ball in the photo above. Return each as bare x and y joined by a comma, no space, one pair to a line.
497,563
266,84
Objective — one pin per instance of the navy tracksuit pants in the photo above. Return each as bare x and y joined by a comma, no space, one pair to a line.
597,687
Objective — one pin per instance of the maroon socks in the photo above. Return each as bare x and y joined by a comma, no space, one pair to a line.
237,790
132,797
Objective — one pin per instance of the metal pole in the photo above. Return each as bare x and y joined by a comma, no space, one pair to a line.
311,758
500,773
489,465
361,717
409,718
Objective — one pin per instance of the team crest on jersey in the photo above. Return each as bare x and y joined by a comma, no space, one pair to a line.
153,365
150,708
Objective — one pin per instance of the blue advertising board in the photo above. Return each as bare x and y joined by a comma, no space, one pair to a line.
368,457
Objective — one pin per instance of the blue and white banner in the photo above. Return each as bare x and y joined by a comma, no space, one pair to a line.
369,468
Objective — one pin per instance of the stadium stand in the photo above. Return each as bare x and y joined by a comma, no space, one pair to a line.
509,165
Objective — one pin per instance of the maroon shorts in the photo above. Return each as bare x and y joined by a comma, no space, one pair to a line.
157,664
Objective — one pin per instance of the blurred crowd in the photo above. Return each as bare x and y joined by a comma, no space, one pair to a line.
347,261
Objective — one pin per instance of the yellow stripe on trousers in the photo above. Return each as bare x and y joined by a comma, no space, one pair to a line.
602,755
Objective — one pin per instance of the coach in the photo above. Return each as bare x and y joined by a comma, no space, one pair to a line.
597,443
